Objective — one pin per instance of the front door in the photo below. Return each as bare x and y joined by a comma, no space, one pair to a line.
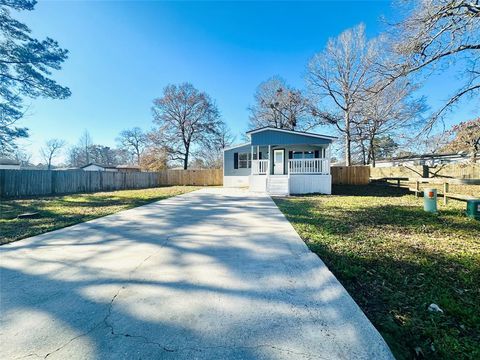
278,161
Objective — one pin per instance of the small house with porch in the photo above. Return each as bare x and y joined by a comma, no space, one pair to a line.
280,162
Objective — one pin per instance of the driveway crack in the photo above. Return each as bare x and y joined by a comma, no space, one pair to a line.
109,325
109,313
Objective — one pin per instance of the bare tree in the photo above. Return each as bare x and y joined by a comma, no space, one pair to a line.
50,150
23,157
339,78
278,105
186,117
133,140
211,154
84,145
434,35
385,112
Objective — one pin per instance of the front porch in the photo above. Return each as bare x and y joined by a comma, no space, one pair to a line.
287,169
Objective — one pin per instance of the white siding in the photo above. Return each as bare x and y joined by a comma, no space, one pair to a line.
235,181
307,184
258,183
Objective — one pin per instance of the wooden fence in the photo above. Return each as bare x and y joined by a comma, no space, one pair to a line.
25,183
350,175
458,171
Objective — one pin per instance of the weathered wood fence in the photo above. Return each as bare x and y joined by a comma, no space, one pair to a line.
458,171
25,183
350,175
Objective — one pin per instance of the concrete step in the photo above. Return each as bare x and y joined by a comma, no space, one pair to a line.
278,185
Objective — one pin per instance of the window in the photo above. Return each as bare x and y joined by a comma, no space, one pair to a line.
298,155
303,155
244,160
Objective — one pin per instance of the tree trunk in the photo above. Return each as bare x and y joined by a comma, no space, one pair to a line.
364,155
348,140
371,152
185,162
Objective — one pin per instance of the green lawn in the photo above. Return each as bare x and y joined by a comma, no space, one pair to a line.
395,259
56,212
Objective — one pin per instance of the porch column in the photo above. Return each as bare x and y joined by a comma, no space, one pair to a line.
251,162
270,165
328,156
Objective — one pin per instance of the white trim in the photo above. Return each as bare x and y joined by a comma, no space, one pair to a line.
236,146
275,169
327,137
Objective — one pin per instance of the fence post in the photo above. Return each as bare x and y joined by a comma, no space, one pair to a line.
445,191
417,188
2,183
53,183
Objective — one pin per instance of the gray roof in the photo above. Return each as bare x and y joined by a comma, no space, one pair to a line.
126,166
291,132
100,165
6,161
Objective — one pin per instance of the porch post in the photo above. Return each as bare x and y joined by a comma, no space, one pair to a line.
270,165
251,162
327,155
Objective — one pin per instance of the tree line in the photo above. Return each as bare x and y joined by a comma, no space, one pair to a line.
364,89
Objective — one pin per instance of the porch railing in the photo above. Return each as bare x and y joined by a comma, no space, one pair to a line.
260,167
309,166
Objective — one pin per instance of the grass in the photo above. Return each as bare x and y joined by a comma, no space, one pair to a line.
395,260
56,212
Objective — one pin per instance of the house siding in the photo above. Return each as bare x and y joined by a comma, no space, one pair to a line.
272,137
228,161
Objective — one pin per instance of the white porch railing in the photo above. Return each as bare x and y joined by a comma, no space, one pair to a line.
309,166
260,167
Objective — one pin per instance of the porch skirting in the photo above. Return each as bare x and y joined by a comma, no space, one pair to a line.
296,184
307,184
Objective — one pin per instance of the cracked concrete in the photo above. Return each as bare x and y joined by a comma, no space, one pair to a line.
214,274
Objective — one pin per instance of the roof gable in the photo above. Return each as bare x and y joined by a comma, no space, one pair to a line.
274,136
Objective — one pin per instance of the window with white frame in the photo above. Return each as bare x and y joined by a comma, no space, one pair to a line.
244,160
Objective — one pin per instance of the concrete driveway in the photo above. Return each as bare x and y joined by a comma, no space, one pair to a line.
213,274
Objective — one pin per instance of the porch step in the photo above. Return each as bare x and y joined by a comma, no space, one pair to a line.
278,185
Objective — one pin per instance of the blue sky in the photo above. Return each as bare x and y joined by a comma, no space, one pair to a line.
122,54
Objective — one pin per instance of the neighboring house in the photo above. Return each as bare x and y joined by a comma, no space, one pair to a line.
9,164
67,169
129,168
426,159
280,162
97,167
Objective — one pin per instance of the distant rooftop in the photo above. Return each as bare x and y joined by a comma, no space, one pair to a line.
6,161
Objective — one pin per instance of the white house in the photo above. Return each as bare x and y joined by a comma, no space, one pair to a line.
280,162
9,164
98,167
